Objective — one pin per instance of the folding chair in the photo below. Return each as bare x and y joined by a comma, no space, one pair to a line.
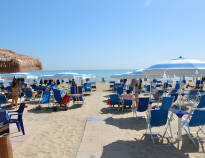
114,100
142,106
19,120
159,118
197,120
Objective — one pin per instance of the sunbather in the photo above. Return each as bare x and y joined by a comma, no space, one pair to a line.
15,93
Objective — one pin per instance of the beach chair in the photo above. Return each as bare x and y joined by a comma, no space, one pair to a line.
119,90
77,94
59,100
28,94
114,100
87,87
112,83
166,103
175,96
46,98
159,118
93,85
192,96
142,106
197,120
3,99
19,120
127,105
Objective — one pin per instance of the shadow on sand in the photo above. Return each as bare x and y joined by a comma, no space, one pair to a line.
75,106
128,123
116,111
142,148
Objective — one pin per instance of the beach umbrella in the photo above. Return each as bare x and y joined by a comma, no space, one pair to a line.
46,77
12,62
178,67
26,76
67,75
90,76
121,76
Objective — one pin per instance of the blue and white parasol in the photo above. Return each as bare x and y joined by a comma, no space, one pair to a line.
178,67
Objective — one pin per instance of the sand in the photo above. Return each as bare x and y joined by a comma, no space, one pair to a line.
59,134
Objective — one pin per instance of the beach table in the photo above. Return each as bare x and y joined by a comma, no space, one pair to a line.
180,114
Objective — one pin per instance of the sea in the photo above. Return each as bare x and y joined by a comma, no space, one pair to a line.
99,74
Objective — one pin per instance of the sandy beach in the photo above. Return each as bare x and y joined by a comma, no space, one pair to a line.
59,134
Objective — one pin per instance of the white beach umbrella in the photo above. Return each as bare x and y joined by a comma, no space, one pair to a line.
121,76
46,77
67,75
26,76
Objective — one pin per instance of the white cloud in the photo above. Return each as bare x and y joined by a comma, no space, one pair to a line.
147,3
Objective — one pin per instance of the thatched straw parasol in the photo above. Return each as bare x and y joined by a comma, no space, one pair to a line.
11,62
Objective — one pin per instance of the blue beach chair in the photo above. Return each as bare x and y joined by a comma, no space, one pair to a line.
46,98
127,105
3,99
77,94
114,100
142,106
19,120
197,120
159,118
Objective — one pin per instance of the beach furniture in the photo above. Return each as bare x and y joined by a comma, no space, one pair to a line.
114,100
59,100
197,120
159,118
28,94
127,103
46,98
3,99
77,94
112,83
166,103
87,87
192,96
93,85
119,90
19,120
142,106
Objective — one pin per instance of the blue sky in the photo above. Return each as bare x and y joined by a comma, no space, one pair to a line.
103,34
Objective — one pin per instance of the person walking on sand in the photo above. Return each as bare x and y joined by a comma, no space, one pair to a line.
134,83
15,93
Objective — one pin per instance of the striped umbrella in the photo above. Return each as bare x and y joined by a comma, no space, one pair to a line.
178,67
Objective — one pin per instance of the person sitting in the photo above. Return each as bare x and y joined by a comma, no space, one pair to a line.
73,82
127,96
